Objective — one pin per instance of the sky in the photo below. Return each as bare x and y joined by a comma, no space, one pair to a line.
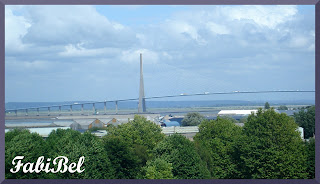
78,53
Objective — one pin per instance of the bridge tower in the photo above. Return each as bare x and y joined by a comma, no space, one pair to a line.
142,101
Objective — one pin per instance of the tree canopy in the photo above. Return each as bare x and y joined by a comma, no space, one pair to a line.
271,147
215,141
306,119
23,143
158,169
122,157
310,151
137,138
192,119
181,153
73,145
283,107
267,105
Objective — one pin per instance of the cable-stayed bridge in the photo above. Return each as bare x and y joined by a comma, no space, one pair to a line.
94,104
142,108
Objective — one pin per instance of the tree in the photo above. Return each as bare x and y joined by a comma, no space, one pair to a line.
243,120
73,145
140,136
270,147
229,118
139,131
215,141
158,169
122,157
23,143
181,153
192,119
267,105
306,120
310,151
283,107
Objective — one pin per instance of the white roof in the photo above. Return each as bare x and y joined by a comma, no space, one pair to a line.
237,112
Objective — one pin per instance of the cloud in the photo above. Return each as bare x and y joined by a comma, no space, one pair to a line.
196,49
264,16
15,28
133,56
80,24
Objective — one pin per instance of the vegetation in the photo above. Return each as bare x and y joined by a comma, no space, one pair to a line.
73,145
267,105
310,151
283,107
136,140
158,169
305,118
181,152
23,143
215,142
192,119
268,146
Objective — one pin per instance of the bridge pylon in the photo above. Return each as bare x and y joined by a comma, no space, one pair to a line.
142,101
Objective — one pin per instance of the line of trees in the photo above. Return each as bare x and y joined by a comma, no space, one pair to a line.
268,146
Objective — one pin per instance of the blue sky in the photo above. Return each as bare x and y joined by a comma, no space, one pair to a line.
71,53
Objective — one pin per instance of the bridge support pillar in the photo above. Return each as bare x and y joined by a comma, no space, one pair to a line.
94,108
116,107
59,110
105,107
81,109
48,111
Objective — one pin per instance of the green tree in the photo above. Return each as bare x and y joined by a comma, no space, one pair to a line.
310,149
229,118
215,141
122,157
23,143
243,120
181,153
306,120
14,132
141,136
283,107
139,131
158,169
192,119
271,147
73,145
267,105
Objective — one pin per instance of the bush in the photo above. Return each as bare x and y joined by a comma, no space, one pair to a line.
192,119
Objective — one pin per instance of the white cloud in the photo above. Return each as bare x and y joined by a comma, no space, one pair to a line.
217,29
77,50
207,48
268,16
64,25
133,56
15,28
